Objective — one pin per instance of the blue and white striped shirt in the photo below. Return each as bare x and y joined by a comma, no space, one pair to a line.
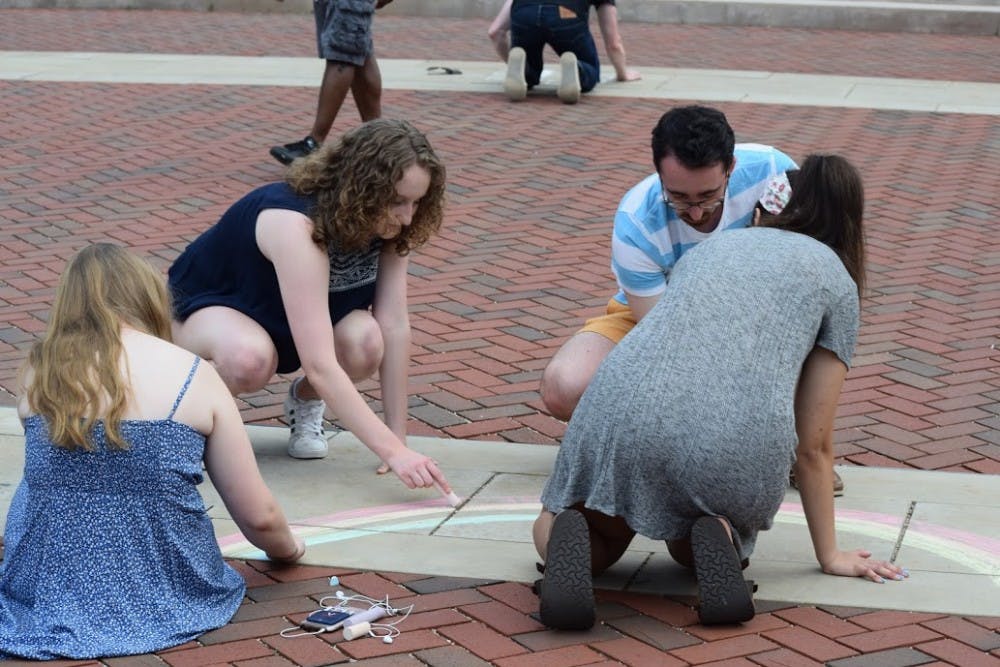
649,237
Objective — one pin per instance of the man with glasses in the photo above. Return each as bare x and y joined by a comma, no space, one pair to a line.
704,184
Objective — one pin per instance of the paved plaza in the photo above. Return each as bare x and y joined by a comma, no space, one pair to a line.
140,127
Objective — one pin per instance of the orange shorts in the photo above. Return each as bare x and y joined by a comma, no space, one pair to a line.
614,324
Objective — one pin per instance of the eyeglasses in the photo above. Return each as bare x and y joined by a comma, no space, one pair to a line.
706,205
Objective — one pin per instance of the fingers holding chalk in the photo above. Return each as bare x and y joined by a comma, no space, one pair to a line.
450,496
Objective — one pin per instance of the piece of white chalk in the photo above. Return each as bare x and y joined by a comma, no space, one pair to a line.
452,499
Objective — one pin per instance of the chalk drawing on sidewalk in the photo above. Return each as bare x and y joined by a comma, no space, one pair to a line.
973,552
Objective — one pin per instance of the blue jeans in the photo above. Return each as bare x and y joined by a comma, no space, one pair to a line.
535,24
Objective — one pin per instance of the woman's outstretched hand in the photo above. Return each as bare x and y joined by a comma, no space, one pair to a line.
859,563
416,470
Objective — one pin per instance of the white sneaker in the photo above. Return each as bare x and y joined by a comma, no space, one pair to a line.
515,85
569,82
305,421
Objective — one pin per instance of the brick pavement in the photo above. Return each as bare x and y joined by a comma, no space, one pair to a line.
522,259
954,57
152,165
471,623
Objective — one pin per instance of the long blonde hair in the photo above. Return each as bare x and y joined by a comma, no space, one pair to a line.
76,374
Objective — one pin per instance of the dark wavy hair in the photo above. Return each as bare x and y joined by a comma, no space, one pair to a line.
828,204
697,136
354,181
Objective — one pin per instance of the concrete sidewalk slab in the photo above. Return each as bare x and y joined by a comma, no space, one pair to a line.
749,86
935,523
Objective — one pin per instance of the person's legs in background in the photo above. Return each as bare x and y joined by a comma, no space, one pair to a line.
527,40
367,89
338,78
343,39
580,69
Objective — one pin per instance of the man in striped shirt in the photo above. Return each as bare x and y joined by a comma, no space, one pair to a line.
704,184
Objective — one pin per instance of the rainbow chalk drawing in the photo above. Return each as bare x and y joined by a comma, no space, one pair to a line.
975,553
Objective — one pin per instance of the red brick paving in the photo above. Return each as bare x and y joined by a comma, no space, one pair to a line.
472,623
523,257
521,261
915,56
626,633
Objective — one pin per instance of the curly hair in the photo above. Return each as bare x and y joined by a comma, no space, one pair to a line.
354,182
697,136
75,366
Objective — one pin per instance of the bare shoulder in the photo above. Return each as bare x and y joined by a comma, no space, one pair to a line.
159,372
146,349
25,380
280,231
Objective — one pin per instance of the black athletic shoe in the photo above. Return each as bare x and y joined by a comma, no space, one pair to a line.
724,596
289,152
567,588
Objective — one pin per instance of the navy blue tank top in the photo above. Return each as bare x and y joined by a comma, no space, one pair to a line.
224,267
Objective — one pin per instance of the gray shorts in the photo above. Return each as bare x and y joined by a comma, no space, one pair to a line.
344,29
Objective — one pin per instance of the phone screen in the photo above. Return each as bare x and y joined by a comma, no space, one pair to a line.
326,619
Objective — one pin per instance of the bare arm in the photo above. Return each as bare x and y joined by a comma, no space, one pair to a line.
607,20
391,313
232,467
641,305
303,275
815,406
497,31
390,310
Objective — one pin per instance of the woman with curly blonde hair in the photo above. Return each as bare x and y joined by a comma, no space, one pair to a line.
311,273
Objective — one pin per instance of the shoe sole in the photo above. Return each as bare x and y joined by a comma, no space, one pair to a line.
514,84
569,79
567,588
723,593
279,156
318,454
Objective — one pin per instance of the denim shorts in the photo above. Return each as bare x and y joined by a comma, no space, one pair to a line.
344,30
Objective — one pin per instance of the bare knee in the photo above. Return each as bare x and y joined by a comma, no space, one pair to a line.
560,390
246,368
571,370
360,346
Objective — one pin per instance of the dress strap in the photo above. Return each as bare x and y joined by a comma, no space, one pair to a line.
187,383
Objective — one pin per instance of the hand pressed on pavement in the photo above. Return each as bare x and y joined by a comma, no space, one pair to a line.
859,563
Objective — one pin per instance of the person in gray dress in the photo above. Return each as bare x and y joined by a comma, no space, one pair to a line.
689,430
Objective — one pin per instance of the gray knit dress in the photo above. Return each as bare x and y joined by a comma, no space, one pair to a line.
692,413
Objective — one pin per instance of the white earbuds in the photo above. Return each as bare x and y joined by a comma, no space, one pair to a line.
362,620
